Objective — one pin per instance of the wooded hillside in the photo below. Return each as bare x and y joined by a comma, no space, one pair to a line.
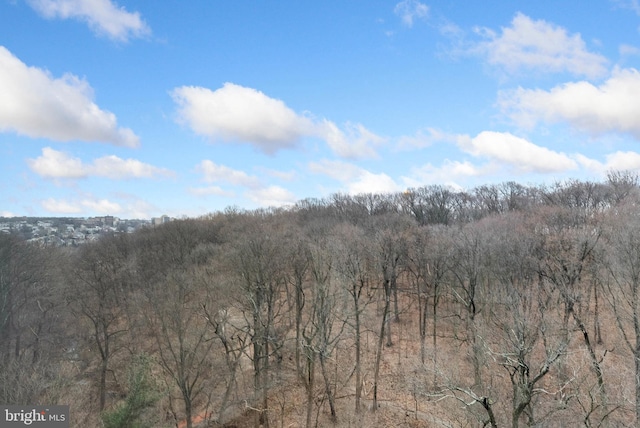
504,306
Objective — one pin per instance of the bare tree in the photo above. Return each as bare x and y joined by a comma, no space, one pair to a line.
31,320
428,266
355,266
390,250
170,263
623,236
98,292
258,265
568,248
469,271
526,328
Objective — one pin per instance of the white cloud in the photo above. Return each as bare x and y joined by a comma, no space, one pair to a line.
272,196
214,173
355,179
450,173
424,138
56,164
409,10
517,152
538,45
103,16
628,50
209,190
623,161
39,106
61,207
7,214
101,206
235,113
261,194
126,206
613,106
281,175
357,143
117,168
633,5
618,161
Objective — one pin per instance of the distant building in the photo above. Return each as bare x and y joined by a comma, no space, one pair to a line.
157,221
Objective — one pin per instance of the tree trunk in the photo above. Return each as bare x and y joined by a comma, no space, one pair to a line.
434,330
379,354
637,365
103,383
188,409
396,311
327,388
310,384
358,352
299,306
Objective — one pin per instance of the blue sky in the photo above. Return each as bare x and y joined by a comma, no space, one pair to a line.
138,109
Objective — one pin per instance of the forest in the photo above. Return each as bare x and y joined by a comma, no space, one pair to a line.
506,305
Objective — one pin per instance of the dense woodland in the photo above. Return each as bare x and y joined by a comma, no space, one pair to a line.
503,306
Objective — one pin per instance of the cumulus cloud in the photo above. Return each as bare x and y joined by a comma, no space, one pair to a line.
410,10
450,173
37,105
539,45
356,143
256,190
214,173
618,161
516,152
103,16
271,196
235,113
613,106
59,165
355,179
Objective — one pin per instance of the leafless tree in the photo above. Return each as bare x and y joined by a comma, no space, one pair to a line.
623,237
569,246
99,292
428,265
257,263
170,261
355,267
31,320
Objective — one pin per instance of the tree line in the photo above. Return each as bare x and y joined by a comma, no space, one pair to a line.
507,305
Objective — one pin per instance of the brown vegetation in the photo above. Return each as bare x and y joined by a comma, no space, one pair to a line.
504,306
